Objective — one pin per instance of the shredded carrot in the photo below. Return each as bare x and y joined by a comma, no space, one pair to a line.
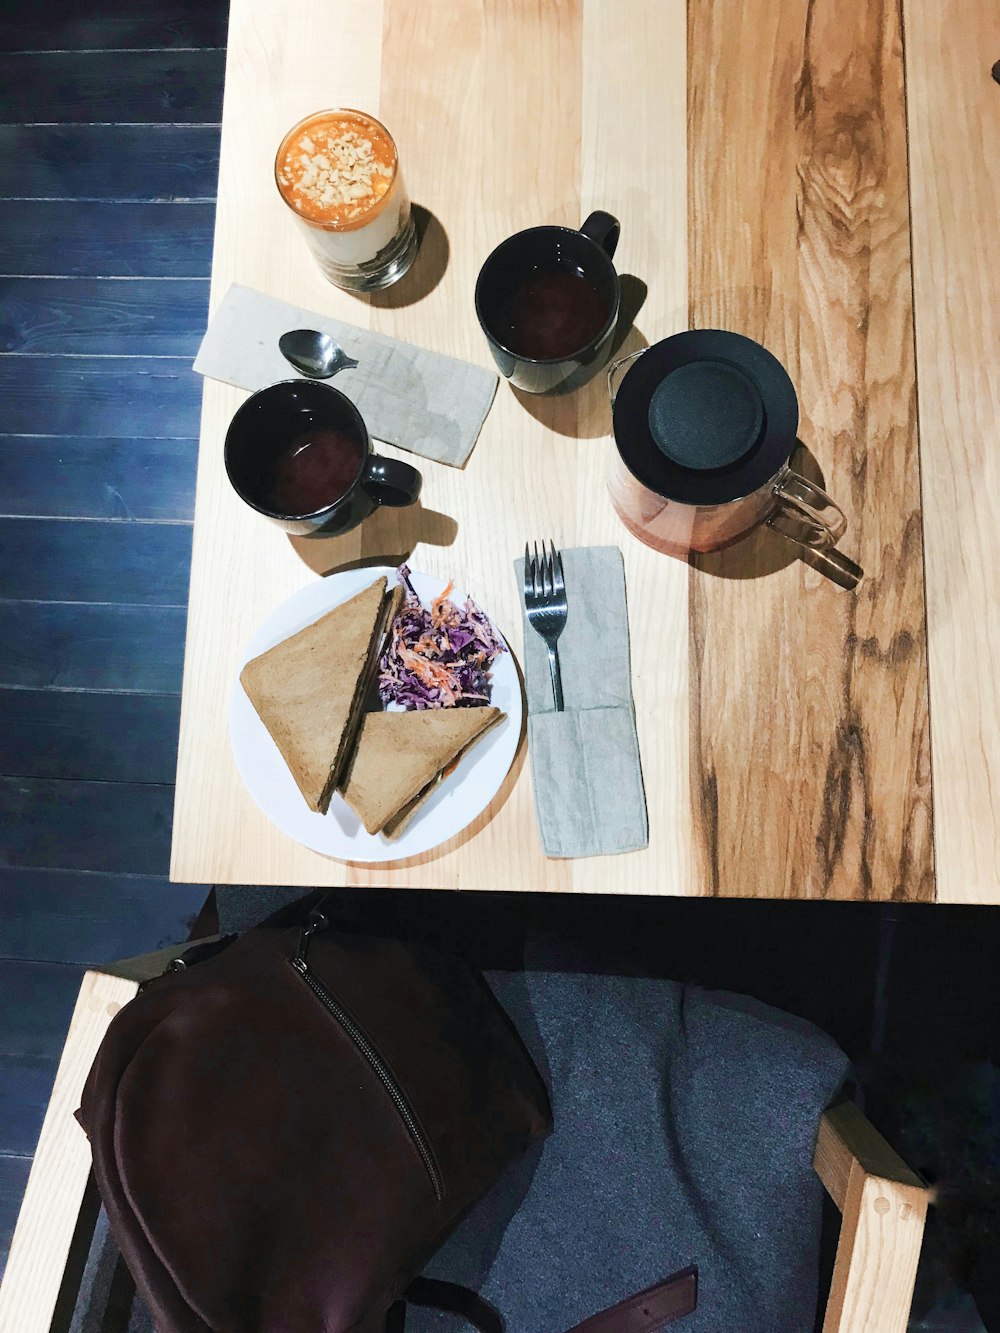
438,608
434,674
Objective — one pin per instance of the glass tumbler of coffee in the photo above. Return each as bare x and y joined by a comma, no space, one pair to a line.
547,300
338,171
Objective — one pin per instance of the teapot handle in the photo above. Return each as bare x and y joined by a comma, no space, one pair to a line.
615,367
808,517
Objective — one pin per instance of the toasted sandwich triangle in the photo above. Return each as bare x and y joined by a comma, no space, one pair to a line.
399,754
309,689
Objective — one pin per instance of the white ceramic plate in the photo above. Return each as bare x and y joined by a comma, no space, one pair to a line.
339,833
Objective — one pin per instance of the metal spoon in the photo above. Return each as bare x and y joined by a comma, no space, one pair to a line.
315,354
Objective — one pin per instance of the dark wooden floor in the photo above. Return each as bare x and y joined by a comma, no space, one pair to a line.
109,134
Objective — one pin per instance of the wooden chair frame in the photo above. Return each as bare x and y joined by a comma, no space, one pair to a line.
883,1204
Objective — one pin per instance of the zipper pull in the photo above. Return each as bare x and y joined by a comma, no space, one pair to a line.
316,922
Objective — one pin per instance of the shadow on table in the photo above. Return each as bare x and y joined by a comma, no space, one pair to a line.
585,413
427,269
386,537
763,551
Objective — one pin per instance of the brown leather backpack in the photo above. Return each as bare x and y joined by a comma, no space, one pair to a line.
285,1127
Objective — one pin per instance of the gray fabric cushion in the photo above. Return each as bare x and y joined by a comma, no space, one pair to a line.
685,1123
240,908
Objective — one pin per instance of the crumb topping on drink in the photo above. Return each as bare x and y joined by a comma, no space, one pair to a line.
336,167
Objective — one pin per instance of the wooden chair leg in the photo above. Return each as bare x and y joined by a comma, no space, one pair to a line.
884,1206
56,1222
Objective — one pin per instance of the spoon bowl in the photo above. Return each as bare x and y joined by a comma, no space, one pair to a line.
314,354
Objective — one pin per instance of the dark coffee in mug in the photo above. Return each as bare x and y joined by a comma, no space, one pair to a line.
299,453
552,312
315,470
547,300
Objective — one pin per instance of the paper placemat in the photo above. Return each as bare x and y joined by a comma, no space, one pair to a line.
429,404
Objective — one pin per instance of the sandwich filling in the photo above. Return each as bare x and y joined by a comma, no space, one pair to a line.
348,737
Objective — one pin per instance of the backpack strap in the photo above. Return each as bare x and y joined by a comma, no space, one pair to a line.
650,1310
451,1298
647,1312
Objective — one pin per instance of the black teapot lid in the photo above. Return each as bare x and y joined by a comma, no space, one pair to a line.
705,417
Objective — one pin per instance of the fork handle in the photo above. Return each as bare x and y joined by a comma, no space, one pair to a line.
557,695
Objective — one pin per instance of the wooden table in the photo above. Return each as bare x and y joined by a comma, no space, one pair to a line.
770,177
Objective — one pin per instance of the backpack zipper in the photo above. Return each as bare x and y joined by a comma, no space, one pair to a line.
378,1066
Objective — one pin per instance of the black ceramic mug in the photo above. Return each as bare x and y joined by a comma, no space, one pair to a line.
547,300
299,452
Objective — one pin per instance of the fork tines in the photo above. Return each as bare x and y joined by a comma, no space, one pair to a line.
543,573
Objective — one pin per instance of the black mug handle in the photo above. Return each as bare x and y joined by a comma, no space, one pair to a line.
390,482
604,229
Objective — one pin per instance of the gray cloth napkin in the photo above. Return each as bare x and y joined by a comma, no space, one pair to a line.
585,760
430,404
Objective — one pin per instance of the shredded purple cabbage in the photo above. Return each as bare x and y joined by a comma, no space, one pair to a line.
438,658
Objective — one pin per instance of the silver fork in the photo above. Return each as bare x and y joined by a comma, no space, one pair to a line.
545,603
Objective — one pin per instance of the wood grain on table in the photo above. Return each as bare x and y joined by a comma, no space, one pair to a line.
810,760
758,165
953,110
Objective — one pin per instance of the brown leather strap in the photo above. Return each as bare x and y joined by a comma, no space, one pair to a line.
647,1312
651,1310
